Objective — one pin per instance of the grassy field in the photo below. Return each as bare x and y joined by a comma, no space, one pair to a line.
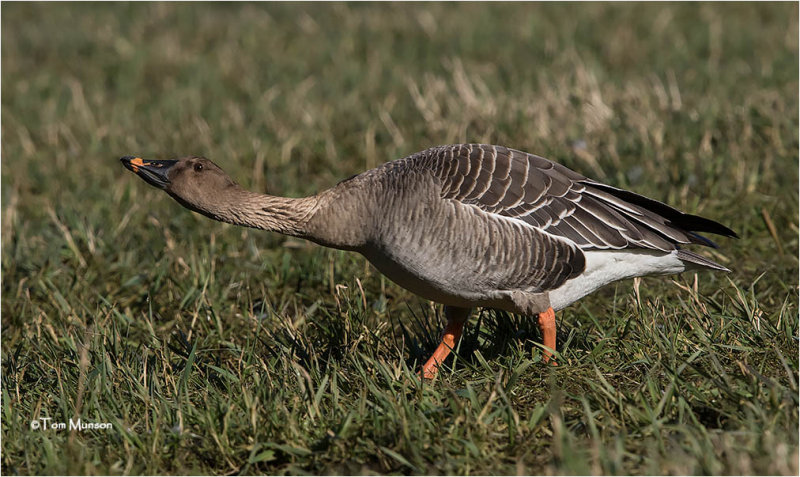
214,349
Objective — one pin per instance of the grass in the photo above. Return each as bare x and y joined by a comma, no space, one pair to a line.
215,350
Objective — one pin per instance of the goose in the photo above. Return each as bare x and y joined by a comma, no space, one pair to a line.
466,225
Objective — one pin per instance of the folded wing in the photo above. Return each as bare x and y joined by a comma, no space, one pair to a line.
563,203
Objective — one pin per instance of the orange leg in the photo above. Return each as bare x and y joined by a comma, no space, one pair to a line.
456,317
547,324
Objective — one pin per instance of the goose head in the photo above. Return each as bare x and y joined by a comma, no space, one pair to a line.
195,182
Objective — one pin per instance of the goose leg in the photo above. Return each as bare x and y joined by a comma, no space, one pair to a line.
547,324
456,317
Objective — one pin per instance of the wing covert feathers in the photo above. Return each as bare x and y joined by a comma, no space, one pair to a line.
563,203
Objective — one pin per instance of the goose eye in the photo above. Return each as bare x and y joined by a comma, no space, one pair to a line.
198,167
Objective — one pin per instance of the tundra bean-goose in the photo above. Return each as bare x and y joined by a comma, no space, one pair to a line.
466,225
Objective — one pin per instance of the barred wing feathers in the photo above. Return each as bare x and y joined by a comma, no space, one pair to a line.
563,203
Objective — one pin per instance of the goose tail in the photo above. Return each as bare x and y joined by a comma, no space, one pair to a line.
699,260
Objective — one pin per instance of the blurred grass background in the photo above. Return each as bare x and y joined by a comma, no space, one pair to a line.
214,349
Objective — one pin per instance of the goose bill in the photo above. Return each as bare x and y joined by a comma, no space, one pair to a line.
154,173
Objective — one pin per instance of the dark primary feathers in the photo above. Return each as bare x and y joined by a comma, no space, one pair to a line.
563,203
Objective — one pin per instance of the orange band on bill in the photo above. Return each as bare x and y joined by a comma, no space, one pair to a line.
137,161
